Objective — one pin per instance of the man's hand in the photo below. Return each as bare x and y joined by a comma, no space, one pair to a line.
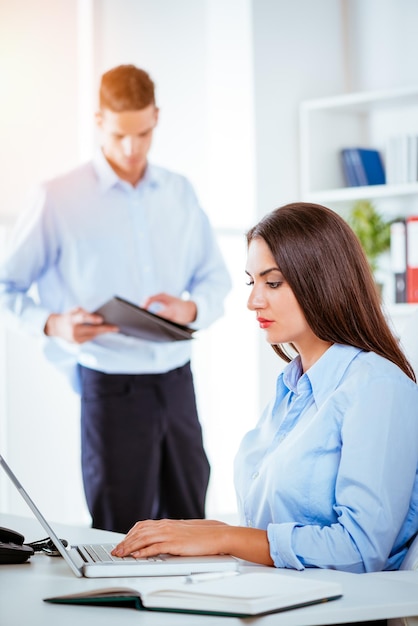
77,326
174,309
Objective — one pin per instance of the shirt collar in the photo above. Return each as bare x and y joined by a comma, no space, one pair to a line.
108,178
324,376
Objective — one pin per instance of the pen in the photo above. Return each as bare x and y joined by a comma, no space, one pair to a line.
199,578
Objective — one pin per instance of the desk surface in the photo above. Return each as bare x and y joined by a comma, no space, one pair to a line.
22,588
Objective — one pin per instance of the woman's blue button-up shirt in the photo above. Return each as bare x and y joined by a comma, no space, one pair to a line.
330,471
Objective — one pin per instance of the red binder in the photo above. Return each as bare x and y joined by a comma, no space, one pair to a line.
412,258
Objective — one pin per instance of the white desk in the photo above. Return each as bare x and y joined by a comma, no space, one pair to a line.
22,588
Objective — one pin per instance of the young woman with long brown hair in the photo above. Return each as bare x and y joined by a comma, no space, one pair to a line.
328,477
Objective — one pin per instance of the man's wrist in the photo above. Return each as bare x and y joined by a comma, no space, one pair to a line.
192,311
50,325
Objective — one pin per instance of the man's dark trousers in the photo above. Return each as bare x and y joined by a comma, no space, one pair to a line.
142,448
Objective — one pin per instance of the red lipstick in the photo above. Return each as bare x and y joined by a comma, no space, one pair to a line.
264,323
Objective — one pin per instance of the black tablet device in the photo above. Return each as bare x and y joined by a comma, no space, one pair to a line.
138,322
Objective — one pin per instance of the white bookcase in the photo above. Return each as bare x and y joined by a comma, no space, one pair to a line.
364,119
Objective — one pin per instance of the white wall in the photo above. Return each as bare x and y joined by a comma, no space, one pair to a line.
294,59
38,89
38,131
383,45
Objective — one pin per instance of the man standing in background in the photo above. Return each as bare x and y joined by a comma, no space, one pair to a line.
119,225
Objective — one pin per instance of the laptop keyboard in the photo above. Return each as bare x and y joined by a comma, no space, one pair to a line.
101,553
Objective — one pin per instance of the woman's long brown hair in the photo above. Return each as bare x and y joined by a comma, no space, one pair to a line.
322,260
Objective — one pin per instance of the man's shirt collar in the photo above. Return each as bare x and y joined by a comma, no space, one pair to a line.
108,178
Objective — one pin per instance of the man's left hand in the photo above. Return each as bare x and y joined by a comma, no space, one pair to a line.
174,309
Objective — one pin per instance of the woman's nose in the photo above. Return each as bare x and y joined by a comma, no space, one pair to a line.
255,301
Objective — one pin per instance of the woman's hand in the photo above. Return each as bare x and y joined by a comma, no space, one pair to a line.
166,536
194,538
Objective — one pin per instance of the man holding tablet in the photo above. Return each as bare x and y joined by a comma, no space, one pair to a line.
120,226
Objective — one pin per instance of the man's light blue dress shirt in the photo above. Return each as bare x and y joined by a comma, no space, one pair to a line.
330,471
88,236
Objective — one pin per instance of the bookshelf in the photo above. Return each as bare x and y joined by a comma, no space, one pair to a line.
368,120
364,119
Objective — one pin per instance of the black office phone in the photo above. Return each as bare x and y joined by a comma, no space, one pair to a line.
12,549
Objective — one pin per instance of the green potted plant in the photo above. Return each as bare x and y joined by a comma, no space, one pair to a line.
372,230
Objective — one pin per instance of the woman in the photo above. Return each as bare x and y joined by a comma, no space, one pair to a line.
328,478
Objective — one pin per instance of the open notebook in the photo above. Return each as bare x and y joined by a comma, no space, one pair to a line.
95,560
241,595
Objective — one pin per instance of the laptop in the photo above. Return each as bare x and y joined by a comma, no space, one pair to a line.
95,560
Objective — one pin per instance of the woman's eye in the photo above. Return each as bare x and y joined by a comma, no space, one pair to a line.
275,284
250,283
